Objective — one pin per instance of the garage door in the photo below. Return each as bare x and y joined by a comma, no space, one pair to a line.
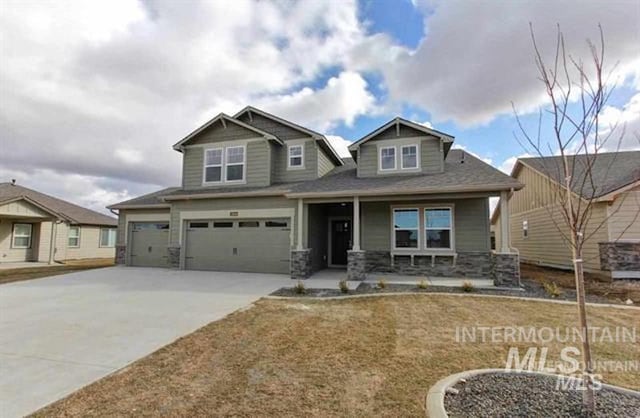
149,244
247,245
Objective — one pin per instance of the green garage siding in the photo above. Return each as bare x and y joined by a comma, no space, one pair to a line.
471,221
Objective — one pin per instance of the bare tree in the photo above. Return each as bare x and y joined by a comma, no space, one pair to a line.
568,127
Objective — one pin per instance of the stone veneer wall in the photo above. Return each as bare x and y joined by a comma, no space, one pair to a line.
301,266
121,254
174,256
505,269
356,265
620,256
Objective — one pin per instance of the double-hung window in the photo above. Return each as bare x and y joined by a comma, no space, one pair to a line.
21,236
213,165
74,237
438,226
387,158
107,237
409,157
405,228
296,153
234,164
224,164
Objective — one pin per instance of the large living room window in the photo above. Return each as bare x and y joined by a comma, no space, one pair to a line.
21,236
107,237
438,226
225,165
405,228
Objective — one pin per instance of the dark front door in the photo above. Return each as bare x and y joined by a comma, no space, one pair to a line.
340,241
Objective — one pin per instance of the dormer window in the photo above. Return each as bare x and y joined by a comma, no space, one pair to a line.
387,158
225,165
409,157
296,153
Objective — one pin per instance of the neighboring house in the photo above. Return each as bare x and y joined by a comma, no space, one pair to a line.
613,244
262,194
38,227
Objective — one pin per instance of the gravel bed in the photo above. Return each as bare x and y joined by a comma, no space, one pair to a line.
531,290
521,395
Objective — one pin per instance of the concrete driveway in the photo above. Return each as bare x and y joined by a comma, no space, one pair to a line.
61,333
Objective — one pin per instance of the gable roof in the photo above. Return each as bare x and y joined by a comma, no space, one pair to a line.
149,200
446,138
463,173
610,171
315,135
224,118
62,209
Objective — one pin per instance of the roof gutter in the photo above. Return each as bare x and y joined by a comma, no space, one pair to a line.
151,206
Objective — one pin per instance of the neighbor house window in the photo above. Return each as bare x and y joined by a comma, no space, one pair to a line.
438,226
21,236
234,164
405,228
388,158
213,165
409,157
525,229
74,236
107,237
295,156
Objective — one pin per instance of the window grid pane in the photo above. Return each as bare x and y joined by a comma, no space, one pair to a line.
438,227
409,157
405,223
235,155
214,157
388,158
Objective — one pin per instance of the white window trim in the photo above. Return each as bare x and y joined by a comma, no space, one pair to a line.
295,167
525,229
69,236
115,238
395,159
13,236
223,165
450,229
243,163
417,147
394,229
422,249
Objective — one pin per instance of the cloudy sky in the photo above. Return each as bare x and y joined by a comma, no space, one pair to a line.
94,93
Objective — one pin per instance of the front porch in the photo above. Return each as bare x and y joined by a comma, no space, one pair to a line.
444,239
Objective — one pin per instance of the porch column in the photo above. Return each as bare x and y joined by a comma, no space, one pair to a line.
52,241
505,234
356,224
300,218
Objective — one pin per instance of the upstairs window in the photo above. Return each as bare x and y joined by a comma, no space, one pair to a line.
438,226
235,164
107,237
74,237
405,228
296,153
409,157
21,236
213,165
388,158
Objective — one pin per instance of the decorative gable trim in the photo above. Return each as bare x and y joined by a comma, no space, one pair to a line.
448,139
224,119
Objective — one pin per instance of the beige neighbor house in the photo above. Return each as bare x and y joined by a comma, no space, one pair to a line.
613,247
263,194
38,227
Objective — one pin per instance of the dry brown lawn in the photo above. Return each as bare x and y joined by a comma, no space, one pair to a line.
359,357
28,273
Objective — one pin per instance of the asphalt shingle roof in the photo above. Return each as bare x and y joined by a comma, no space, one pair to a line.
73,213
610,171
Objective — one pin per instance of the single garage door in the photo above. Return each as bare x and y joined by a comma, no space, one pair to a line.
247,245
149,242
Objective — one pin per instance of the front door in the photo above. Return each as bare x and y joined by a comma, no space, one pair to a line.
340,241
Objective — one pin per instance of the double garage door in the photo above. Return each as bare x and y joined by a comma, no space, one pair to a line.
245,245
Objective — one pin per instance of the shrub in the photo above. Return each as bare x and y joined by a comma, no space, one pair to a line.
343,286
422,284
467,286
382,283
552,289
299,288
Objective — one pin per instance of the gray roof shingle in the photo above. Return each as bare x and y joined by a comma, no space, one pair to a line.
609,171
73,213
149,199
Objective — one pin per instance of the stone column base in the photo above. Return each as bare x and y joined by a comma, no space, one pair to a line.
620,257
173,253
356,265
505,269
300,264
121,254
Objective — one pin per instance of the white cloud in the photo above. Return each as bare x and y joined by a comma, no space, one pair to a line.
487,160
622,125
507,165
340,144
